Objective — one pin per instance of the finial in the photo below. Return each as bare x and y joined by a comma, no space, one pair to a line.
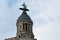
24,7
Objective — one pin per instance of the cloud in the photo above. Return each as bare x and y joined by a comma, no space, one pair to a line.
11,2
44,13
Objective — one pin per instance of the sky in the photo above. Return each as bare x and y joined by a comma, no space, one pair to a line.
44,13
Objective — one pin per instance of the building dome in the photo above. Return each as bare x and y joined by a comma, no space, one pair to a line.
24,17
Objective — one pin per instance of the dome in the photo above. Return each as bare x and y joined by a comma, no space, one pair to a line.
24,17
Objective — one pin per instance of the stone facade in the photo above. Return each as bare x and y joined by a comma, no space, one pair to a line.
24,26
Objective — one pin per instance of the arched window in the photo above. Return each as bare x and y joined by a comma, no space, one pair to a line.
19,36
25,26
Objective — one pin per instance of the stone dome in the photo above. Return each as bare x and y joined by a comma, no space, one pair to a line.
24,17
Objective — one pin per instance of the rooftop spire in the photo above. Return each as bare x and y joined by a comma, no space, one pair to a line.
24,7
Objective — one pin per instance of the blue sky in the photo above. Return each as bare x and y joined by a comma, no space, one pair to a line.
44,13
